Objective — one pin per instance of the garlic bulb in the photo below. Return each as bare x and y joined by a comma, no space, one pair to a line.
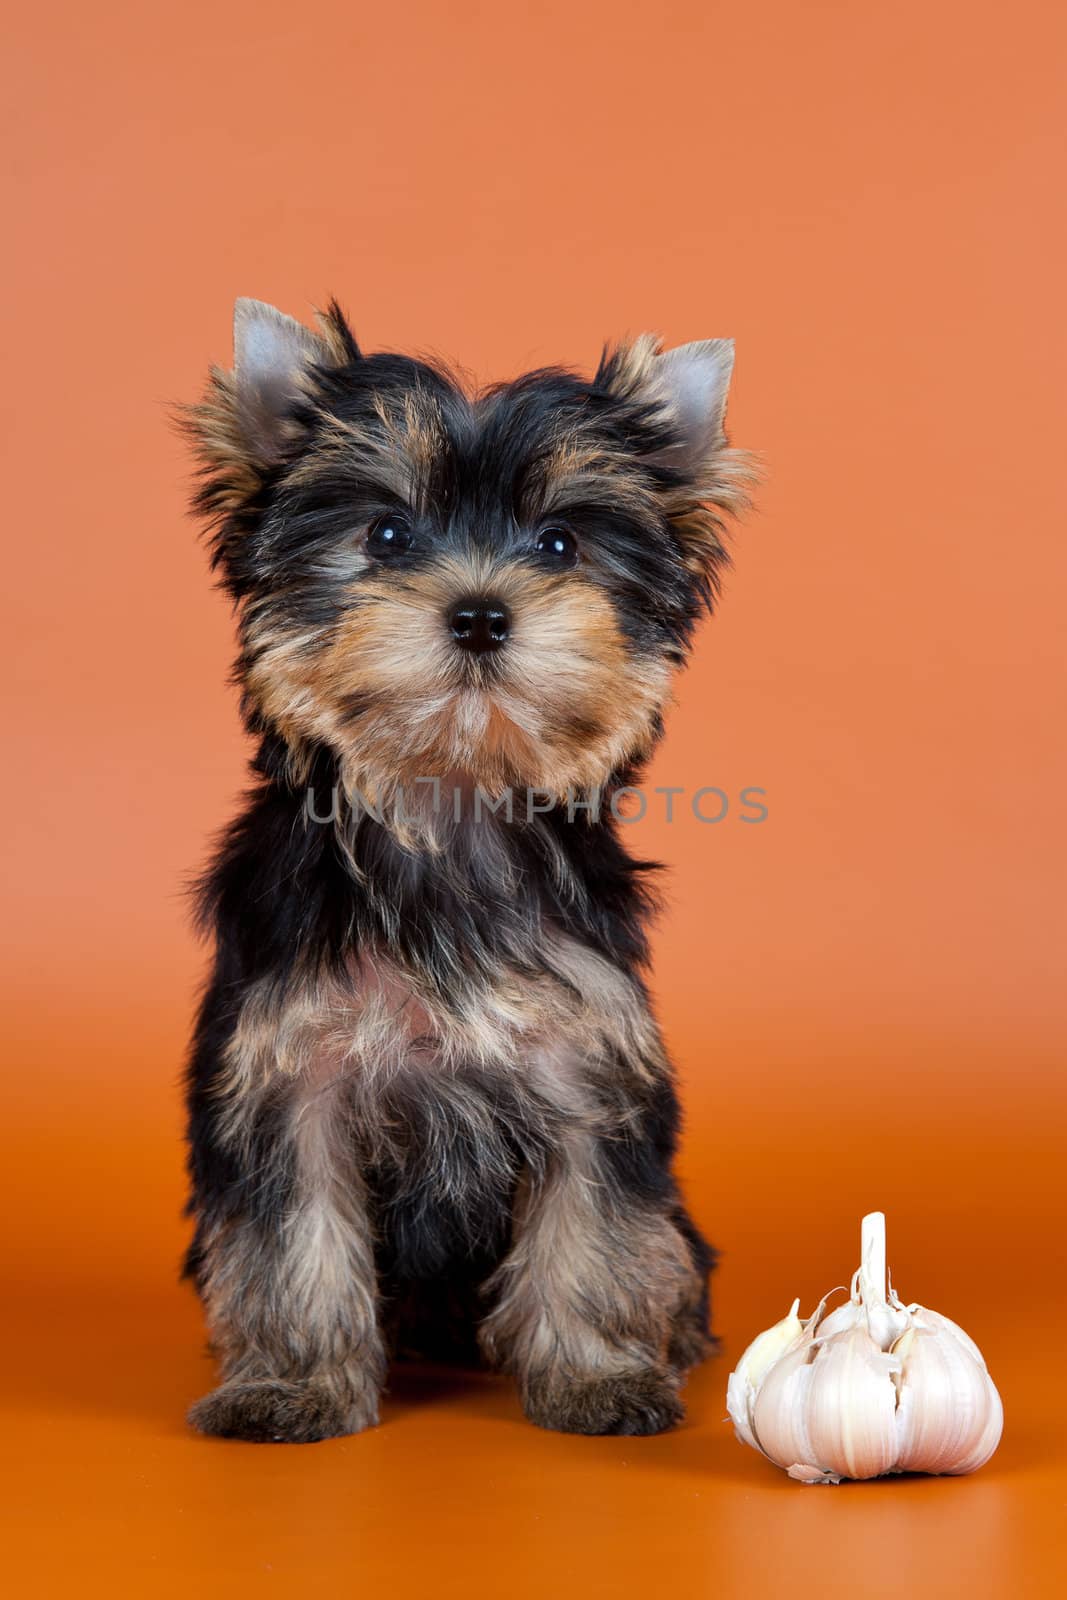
872,1387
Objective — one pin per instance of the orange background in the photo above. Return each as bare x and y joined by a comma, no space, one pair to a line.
864,994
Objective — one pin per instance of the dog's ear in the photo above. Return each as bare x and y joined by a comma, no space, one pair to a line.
248,422
682,394
678,400
273,356
693,381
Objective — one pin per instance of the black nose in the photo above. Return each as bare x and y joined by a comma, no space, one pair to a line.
479,625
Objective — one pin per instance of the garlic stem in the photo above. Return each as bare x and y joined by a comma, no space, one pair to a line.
872,1259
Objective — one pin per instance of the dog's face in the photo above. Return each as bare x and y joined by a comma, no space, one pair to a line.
433,584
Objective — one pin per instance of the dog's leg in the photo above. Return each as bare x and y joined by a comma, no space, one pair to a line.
589,1300
288,1279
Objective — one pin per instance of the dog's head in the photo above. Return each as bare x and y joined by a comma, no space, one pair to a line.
431,583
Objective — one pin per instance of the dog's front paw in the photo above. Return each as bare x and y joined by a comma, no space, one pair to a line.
276,1411
629,1403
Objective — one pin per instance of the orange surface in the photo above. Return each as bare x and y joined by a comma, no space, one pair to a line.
864,993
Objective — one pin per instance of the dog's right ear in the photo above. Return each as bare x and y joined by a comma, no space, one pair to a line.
249,420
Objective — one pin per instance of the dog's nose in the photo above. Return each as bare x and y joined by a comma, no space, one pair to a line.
479,625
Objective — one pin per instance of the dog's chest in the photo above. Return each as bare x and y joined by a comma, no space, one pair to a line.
438,1104
384,1045
446,1102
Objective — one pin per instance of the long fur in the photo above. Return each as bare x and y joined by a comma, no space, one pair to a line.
429,1106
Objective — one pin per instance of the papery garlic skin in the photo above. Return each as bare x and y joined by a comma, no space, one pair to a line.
873,1387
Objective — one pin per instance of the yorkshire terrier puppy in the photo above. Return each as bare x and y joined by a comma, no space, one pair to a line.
430,1111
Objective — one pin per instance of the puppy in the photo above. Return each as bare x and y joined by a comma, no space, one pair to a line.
430,1111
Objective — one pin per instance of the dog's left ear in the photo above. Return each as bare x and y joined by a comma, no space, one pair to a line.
681,394
693,381
678,401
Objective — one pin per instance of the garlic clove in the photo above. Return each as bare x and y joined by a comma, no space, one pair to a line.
884,1323
779,1416
852,1405
764,1350
949,1408
841,1319
987,1441
749,1373
920,1317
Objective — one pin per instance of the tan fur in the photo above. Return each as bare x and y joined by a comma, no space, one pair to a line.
588,1298
380,1021
333,332
586,1290
580,471
293,1312
428,711
215,427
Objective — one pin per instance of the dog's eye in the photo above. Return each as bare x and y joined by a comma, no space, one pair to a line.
557,547
388,536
